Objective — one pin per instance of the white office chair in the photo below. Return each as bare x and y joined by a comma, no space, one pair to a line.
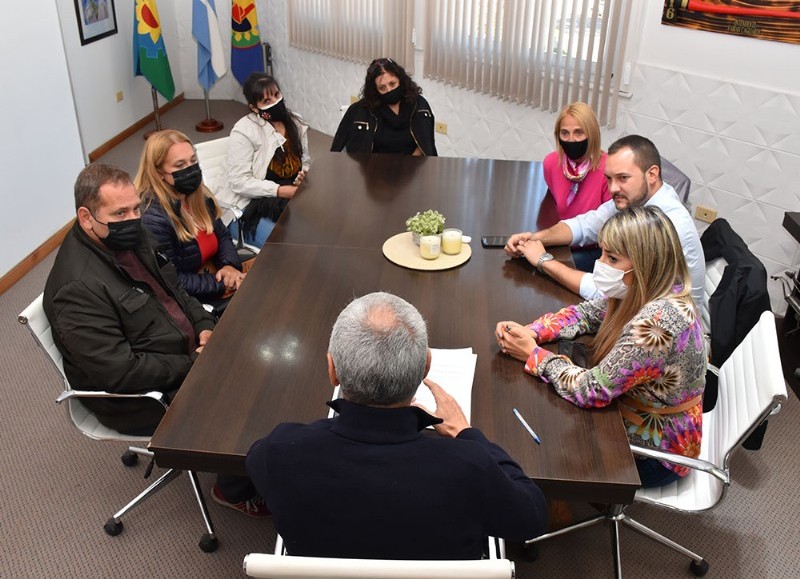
212,155
751,388
35,319
279,565
677,178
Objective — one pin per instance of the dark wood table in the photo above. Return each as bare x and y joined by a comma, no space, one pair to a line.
265,363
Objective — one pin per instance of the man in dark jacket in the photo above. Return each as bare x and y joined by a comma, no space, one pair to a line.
118,316
370,483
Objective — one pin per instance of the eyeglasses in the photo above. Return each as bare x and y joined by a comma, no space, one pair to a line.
377,64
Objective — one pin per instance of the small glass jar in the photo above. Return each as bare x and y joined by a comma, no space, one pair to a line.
451,241
429,246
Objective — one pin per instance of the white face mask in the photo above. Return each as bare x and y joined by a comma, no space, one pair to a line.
609,280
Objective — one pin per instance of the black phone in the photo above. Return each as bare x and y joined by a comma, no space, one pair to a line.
493,241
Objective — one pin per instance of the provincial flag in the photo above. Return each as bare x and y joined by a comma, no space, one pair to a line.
246,55
149,53
210,57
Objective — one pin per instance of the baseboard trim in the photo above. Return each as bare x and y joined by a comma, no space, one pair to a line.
108,145
34,258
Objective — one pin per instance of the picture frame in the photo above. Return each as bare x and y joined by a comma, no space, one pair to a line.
96,19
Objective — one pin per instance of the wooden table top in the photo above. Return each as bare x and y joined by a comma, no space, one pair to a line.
265,363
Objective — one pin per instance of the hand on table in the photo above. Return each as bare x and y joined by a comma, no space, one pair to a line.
515,340
299,179
532,250
447,409
202,340
514,244
230,277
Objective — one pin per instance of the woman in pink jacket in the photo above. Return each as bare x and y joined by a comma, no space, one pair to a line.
574,172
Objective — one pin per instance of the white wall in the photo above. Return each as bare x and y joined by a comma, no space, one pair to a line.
40,148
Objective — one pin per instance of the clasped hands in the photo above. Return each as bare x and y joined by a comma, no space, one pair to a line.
525,245
230,277
516,340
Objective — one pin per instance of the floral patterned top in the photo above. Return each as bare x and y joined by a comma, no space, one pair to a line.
657,370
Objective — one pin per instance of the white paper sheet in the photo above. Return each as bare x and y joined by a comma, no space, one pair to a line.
454,371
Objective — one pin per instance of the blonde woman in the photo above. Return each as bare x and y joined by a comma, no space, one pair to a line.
648,352
575,171
181,213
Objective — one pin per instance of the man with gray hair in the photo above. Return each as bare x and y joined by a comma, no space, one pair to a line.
370,483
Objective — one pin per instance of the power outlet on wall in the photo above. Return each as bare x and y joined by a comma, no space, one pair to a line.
441,128
118,96
706,214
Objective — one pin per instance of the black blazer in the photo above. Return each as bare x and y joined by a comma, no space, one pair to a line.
737,303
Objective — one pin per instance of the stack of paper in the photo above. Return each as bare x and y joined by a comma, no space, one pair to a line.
454,371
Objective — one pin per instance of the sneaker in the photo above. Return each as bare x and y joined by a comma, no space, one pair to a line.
253,507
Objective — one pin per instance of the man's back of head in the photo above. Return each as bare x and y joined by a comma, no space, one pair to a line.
379,347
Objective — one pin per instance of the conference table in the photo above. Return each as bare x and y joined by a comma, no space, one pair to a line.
265,363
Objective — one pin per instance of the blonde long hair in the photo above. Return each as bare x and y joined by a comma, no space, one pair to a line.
646,236
586,118
149,183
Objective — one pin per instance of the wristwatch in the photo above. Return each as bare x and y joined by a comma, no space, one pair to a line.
542,258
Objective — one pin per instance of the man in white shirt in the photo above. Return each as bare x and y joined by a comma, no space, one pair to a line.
633,170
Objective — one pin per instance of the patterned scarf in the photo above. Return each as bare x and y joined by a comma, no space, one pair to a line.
576,173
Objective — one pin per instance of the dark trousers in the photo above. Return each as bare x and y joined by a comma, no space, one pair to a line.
584,258
654,474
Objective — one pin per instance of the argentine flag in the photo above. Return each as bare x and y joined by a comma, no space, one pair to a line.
205,29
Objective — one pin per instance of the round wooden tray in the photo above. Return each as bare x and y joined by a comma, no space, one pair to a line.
402,250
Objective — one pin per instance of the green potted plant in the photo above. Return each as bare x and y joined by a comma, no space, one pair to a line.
429,222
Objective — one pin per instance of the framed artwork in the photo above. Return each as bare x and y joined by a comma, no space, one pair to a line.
777,20
96,19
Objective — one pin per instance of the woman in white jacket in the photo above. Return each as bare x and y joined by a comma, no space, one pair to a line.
267,160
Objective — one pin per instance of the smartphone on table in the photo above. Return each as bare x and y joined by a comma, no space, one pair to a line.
494,240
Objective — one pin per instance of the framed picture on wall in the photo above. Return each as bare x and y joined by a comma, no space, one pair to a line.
96,19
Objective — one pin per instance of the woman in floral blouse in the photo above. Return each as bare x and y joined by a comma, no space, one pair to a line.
648,351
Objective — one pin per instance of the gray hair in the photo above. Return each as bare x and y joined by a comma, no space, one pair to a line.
379,346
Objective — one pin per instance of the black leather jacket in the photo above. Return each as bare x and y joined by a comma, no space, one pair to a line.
112,331
357,128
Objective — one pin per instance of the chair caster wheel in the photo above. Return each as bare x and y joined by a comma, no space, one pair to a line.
129,458
113,527
530,552
208,543
699,569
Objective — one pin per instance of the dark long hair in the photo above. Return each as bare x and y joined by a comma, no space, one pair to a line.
369,92
256,85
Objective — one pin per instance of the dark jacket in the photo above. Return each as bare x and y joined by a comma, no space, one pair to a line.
113,333
357,128
185,256
369,483
739,300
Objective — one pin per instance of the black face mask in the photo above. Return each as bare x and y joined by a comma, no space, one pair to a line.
274,112
122,235
574,149
392,97
188,179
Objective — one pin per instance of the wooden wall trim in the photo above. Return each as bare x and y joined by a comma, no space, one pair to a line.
34,258
108,145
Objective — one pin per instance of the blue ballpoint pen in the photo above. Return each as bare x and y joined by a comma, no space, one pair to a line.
526,425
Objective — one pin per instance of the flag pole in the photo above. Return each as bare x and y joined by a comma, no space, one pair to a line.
155,111
208,125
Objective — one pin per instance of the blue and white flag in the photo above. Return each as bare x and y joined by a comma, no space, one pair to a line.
210,57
